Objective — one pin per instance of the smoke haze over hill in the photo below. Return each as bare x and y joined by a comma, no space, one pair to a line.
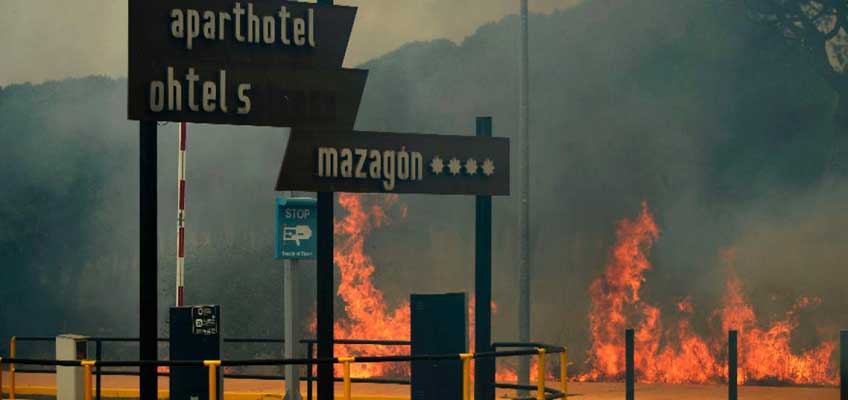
688,105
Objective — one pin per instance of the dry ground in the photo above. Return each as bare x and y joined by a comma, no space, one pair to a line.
580,391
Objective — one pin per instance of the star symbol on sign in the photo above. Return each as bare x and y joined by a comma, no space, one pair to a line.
437,165
454,166
471,166
488,167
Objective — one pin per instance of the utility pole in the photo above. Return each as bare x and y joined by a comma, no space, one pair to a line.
524,194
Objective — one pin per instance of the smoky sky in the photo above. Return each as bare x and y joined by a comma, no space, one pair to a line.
51,39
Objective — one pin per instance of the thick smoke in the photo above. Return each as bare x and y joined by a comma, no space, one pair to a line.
688,105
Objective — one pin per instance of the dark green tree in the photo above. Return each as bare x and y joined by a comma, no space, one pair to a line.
817,30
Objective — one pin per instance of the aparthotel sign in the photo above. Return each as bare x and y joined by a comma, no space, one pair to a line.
271,63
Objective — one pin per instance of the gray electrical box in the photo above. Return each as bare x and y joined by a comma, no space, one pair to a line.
195,335
69,380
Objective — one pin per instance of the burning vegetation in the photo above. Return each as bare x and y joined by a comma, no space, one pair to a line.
672,353
677,353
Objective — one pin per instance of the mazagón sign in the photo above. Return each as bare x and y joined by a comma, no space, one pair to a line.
377,162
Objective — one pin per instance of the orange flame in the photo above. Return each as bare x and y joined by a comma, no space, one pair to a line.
367,316
366,313
679,354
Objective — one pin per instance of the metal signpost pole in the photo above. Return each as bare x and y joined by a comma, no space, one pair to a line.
291,372
324,275
294,240
148,259
484,372
325,287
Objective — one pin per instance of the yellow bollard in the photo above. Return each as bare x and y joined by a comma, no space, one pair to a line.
466,375
13,344
540,378
346,375
213,378
86,376
563,372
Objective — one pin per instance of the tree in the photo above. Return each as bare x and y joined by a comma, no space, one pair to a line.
816,27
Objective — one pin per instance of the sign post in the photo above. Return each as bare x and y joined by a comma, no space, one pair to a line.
379,162
325,286
484,372
295,240
148,263
264,63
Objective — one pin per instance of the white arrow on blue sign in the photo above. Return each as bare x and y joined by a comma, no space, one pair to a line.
295,228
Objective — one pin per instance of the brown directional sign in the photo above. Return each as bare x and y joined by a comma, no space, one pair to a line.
275,33
268,63
191,92
372,162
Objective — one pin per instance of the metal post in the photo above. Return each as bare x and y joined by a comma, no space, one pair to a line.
346,375
484,370
291,371
213,377
466,375
540,375
630,374
86,384
524,193
325,286
13,351
98,349
309,355
181,188
563,372
148,259
843,365
731,364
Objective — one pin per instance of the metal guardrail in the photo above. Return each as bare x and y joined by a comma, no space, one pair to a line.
310,352
99,354
539,349
542,393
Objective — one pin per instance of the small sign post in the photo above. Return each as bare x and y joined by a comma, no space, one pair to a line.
296,220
